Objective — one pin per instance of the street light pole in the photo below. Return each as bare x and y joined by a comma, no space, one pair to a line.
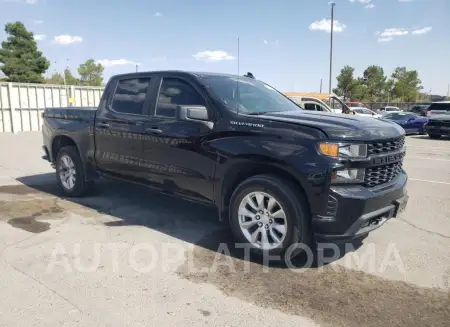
331,45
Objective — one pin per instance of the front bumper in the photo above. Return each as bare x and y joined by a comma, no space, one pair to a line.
437,129
354,211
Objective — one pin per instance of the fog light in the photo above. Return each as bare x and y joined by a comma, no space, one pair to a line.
355,175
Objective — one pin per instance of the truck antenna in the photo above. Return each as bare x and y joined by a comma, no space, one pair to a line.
237,80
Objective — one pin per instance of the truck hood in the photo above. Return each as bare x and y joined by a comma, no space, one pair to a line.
440,118
340,126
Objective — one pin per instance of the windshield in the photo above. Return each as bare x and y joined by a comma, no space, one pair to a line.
247,96
392,109
363,111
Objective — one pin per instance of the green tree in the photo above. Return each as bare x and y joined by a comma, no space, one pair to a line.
347,85
360,90
21,59
91,73
58,78
376,83
407,84
70,79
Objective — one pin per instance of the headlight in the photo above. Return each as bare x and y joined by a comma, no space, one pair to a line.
353,175
339,150
345,151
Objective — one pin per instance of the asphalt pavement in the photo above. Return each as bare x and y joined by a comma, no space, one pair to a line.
127,256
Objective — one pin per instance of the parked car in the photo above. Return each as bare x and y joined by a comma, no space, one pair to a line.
279,175
419,109
311,104
439,108
388,109
410,122
437,126
365,112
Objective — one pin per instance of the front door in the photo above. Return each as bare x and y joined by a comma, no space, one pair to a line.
175,151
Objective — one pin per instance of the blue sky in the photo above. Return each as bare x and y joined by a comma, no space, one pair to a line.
285,42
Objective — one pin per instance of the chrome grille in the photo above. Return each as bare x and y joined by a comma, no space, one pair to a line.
382,174
385,146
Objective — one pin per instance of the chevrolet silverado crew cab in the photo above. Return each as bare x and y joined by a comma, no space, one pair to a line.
280,175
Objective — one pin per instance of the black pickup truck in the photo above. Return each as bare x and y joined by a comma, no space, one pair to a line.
280,175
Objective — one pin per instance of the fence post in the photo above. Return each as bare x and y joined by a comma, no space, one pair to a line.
72,96
13,110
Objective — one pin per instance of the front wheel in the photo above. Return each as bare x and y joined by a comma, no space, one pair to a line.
270,216
70,172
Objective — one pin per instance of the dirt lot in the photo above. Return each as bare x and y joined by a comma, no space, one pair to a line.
126,256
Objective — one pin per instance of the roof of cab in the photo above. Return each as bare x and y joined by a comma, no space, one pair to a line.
181,72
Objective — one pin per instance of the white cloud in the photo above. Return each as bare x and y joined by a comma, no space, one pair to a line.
404,0
325,25
385,39
67,39
115,62
158,14
40,37
362,1
370,6
266,42
213,55
31,2
391,32
422,30
37,21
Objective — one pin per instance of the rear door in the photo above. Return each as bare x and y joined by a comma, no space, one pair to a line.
175,151
439,108
119,127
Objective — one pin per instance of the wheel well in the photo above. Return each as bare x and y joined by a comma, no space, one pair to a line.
242,173
59,142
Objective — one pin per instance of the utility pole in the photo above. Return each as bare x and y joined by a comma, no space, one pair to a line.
137,68
320,86
331,45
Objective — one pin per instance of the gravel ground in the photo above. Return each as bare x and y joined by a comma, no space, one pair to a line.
126,256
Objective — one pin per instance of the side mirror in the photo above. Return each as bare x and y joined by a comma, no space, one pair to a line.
195,114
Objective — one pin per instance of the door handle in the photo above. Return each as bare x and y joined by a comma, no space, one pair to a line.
103,125
153,130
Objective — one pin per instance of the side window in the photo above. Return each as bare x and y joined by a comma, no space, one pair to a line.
176,92
319,107
129,96
310,106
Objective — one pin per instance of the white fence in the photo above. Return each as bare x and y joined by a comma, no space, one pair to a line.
21,105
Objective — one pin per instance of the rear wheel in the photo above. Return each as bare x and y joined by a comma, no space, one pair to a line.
434,136
269,215
70,172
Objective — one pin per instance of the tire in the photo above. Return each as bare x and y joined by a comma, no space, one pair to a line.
434,136
79,186
297,217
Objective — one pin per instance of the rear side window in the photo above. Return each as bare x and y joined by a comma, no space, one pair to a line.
175,92
130,95
439,107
